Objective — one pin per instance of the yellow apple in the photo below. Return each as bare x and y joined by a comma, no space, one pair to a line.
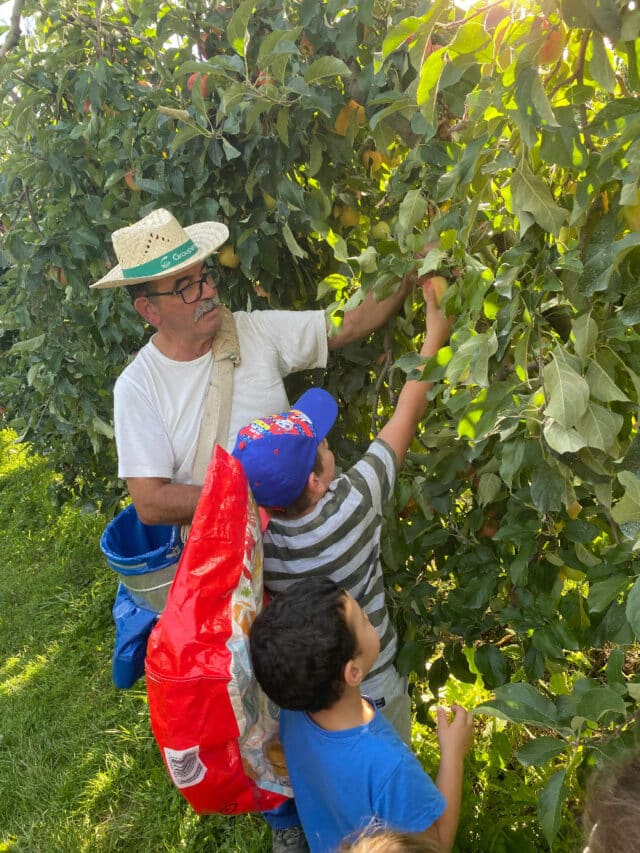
438,284
228,258
381,230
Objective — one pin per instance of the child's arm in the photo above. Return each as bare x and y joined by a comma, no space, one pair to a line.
455,739
399,431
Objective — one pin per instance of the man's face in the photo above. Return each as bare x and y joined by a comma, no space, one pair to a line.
186,302
367,640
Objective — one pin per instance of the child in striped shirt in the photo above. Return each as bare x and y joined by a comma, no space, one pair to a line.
327,526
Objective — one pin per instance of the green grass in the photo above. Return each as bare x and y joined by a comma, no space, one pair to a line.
79,768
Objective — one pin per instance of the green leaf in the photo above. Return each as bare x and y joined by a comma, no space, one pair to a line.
326,66
538,751
633,608
602,386
547,488
101,427
631,482
530,193
598,701
333,282
492,665
550,805
521,703
282,126
276,44
599,426
631,461
511,460
600,64
567,392
427,92
599,15
630,311
470,362
602,593
585,335
438,675
338,245
30,345
296,250
398,35
560,439
412,209
489,488
367,260
237,28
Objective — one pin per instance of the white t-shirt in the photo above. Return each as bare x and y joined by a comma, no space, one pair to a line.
159,401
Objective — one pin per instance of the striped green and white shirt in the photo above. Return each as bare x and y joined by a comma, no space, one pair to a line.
340,539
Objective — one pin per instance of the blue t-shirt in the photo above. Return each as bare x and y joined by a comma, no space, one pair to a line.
345,781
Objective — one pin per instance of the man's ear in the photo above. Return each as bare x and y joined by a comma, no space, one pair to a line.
352,674
146,309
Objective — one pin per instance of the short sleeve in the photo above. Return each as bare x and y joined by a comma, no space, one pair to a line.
144,447
375,474
299,338
409,801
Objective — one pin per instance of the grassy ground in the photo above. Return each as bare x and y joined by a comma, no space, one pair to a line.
79,768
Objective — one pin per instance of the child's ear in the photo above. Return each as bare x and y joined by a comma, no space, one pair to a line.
352,674
314,485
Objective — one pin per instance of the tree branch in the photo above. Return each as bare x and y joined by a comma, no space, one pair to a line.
13,33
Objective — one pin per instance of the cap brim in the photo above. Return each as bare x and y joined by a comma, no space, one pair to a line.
208,236
320,407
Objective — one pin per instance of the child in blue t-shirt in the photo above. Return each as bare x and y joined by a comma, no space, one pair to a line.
311,648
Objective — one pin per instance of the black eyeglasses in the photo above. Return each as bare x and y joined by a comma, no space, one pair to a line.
192,291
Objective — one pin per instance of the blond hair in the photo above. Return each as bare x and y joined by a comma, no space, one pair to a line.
379,840
612,813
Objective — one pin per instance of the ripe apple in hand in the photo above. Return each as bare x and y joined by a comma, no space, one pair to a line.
438,284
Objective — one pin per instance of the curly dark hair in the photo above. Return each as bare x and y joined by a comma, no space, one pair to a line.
300,644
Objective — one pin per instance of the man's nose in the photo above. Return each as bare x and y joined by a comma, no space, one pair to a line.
210,288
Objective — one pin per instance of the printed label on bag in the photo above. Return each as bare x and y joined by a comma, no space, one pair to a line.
185,767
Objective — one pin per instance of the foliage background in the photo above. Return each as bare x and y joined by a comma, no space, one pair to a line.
332,138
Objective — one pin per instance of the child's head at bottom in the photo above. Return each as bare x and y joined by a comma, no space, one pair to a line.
380,840
612,813
311,643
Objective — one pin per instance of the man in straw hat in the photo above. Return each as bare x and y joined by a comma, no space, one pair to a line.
160,396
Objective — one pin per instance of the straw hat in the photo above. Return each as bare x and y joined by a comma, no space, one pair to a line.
158,246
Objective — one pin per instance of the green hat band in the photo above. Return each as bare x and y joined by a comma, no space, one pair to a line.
165,263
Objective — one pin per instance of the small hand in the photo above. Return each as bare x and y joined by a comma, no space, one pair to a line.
412,278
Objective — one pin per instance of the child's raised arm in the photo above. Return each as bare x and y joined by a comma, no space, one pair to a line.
399,431
455,739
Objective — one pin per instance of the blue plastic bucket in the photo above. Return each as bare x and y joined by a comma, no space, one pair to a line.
145,557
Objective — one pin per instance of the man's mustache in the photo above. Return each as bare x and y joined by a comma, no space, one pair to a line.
204,306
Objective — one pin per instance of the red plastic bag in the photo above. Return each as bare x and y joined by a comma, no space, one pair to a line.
217,731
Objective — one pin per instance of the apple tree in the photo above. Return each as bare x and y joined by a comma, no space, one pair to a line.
335,139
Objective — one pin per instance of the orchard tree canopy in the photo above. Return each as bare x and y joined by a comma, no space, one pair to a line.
333,138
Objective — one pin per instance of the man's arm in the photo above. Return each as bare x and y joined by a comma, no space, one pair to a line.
399,431
369,315
159,501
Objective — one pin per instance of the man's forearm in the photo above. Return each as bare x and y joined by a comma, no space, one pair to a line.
159,501
369,316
